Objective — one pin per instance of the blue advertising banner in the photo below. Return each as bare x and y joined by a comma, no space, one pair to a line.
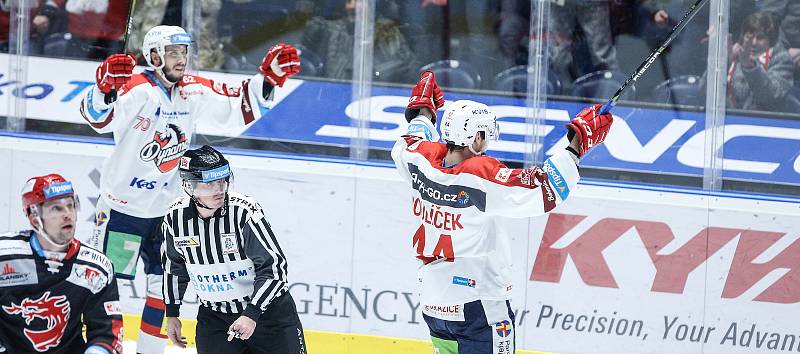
646,140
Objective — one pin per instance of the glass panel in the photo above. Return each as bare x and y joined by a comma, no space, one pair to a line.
762,133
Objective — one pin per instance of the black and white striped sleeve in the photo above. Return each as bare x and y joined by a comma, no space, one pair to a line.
261,246
175,276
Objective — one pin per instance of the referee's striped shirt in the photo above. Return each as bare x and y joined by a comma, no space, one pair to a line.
233,261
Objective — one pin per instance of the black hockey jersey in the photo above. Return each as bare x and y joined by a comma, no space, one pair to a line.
44,302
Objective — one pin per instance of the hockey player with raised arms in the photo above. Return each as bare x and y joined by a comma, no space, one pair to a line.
460,194
152,116
52,285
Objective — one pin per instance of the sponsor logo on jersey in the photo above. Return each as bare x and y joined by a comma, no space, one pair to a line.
186,241
88,277
454,196
166,148
114,199
96,257
112,308
18,272
503,328
503,174
45,319
447,313
415,129
100,218
142,183
221,282
229,244
464,281
556,179
8,247
185,162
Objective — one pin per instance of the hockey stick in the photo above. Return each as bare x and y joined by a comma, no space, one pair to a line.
128,25
652,57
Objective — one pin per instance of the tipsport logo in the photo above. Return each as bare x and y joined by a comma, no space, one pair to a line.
166,148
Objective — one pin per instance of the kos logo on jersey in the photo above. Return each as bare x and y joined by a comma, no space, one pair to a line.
166,148
53,313
141,183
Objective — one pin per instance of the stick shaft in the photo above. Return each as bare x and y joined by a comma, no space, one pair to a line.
653,55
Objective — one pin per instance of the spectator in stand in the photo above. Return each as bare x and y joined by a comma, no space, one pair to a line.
332,40
151,13
587,20
45,19
760,68
787,12
95,28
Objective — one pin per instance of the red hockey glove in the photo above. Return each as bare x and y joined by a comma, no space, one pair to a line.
590,127
114,72
280,62
426,94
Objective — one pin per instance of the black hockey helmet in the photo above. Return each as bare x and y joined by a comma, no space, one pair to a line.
205,164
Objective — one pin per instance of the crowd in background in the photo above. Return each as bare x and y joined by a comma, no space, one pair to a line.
592,45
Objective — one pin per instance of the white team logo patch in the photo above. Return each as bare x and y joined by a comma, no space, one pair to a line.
88,277
503,175
112,308
229,244
186,241
184,164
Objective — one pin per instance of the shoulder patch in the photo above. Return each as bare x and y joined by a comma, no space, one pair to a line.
91,255
88,276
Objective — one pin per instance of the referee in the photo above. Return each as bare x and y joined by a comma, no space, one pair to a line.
221,242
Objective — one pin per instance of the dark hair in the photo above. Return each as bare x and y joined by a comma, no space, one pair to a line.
760,22
453,147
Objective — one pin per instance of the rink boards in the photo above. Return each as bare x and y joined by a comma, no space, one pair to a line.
323,113
614,268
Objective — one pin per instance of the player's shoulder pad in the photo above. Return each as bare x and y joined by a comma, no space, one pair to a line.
15,235
95,257
137,80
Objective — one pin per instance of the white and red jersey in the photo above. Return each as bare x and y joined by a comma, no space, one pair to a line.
152,129
462,244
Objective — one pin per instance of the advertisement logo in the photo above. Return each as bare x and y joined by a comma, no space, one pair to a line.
54,311
89,278
166,148
18,272
455,196
503,328
142,184
464,281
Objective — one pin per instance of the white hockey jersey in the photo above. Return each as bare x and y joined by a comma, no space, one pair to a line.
152,129
462,244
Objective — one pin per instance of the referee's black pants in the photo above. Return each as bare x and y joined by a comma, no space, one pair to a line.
278,331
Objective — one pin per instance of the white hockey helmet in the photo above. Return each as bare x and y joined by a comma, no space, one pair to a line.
161,36
463,119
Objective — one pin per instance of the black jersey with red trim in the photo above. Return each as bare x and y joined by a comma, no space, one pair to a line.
45,302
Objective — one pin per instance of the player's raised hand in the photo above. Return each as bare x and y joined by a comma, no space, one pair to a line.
114,72
280,62
426,94
590,127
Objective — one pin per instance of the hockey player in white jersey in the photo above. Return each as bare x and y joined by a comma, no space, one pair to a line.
458,194
152,116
